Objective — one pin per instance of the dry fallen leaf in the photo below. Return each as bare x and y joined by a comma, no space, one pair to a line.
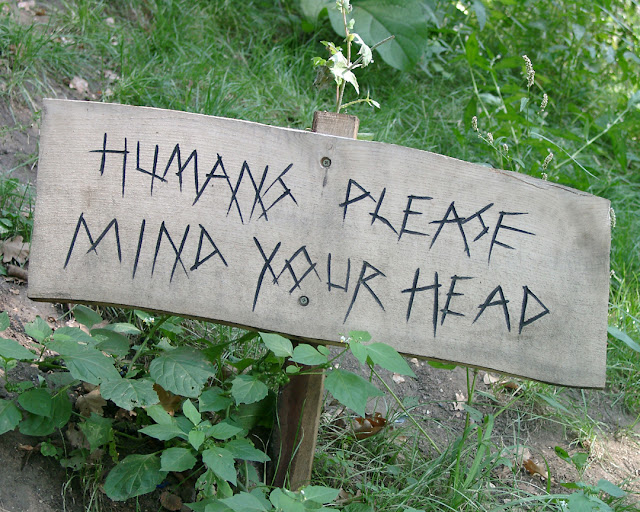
27,4
79,84
490,378
369,425
170,501
534,469
458,405
168,400
76,437
15,249
398,379
91,402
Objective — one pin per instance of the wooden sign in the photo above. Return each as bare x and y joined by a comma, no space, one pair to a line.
313,236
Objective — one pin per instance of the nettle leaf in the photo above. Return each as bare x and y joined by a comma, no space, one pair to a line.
73,334
129,393
279,345
610,489
243,449
244,502
285,500
319,494
177,459
359,351
123,328
221,462
37,401
183,371
351,389
135,475
164,431
375,20
212,400
10,416
247,389
387,357
86,316
97,430
196,438
224,430
309,355
38,329
85,363
191,412
36,425
4,321
10,349
111,342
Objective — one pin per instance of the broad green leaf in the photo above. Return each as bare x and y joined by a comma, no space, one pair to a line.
4,321
177,459
73,334
319,494
164,432
191,412
97,430
279,345
624,338
523,103
111,342
123,328
244,449
85,363
36,425
361,336
38,329
611,489
37,401
247,389
387,357
244,502
258,413
375,20
183,371
212,400
10,349
442,366
196,438
481,13
359,351
309,355
221,462
350,389
86,316
224,430
10,416
133,476
281,501
159,415
129,393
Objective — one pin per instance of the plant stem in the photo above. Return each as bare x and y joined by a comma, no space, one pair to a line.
144,343
344,83
404,409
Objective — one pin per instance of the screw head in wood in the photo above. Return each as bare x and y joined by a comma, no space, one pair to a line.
326,162
303,301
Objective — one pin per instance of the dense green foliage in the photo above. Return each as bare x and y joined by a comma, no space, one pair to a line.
454,82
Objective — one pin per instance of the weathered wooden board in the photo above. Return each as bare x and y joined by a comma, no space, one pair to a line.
313,236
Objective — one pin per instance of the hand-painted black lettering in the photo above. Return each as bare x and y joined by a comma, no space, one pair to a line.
94,244
212,174
181,167
450,294
256,191
153,173
348,200
266,266
478,215
139,249
415,289
523,321
362,280
502,302
198,261
178,252
499,225
311,266
457,220
286,191
106,151
408,211
330,284
375,215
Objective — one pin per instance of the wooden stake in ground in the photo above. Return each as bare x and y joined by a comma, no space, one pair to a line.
300,401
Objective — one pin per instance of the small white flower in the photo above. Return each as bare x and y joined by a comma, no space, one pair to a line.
547,160
505,148
612,217
530,72
490,138
474,123
545,101
545,176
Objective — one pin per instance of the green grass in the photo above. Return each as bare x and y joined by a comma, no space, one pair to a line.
252,60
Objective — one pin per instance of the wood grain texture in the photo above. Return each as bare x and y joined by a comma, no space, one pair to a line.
439,258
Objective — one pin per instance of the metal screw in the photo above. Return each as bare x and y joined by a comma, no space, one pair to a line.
325,161
303,301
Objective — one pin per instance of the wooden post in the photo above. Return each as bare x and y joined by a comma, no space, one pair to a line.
300,401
